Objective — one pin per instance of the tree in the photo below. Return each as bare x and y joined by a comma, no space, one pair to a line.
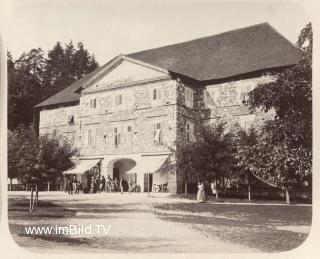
283,153
33,78
25,79
211,157
34,159
216,154
67,65
245,142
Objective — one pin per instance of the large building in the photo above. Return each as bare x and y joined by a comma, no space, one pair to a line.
125,116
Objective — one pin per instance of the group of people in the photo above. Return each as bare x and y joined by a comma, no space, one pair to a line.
97,185
73,186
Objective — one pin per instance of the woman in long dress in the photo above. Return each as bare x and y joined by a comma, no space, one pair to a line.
201,195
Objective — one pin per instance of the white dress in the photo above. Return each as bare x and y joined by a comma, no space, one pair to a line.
200,195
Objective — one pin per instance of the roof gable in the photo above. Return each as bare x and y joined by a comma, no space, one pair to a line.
125,71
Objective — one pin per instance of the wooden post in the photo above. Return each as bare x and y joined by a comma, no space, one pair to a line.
31,200
185,187
48,186
216,184
37,195
249,192
148,184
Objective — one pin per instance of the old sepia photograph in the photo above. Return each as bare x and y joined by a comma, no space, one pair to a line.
158,126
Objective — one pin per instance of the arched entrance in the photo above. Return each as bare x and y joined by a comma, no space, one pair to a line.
122,167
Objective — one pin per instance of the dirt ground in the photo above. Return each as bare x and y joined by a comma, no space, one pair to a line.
139,223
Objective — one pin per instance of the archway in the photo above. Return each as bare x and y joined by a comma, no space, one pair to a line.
121,168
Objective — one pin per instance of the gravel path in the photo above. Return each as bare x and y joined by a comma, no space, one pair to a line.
133,227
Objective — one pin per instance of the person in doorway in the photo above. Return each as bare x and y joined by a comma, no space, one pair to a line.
116,184
108,184
201,195
69,186
102,184
78,187
65,185
74,185
121,184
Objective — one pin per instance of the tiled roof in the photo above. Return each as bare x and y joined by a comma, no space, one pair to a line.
237,52
224,55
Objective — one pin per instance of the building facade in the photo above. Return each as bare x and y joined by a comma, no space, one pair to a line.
125,117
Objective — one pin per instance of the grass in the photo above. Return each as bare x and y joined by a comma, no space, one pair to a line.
250,225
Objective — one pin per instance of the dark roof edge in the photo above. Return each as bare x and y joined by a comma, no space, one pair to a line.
69,103
252,74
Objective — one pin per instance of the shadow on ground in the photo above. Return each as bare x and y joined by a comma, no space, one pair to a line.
254,226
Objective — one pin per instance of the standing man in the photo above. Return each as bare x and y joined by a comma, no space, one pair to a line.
121,184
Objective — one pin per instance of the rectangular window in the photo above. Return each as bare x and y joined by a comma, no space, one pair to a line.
158,134
93,103
188,97
89,138
156,94
247,121
244,97
116,137
208,99
71,119
93,138
128,136
190,132
118,101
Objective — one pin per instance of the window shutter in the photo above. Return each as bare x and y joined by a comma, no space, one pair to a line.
191,135
154,94
159,93
191,98
94,138
89,138
157,136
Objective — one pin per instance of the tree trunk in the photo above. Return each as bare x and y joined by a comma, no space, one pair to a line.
48,186
185,187
37,195
249,192
287,196
31,200
216,184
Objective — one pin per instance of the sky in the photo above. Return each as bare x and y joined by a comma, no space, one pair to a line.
110,28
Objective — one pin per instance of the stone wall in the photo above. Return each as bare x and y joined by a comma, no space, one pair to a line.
56,122
226,102
139,114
